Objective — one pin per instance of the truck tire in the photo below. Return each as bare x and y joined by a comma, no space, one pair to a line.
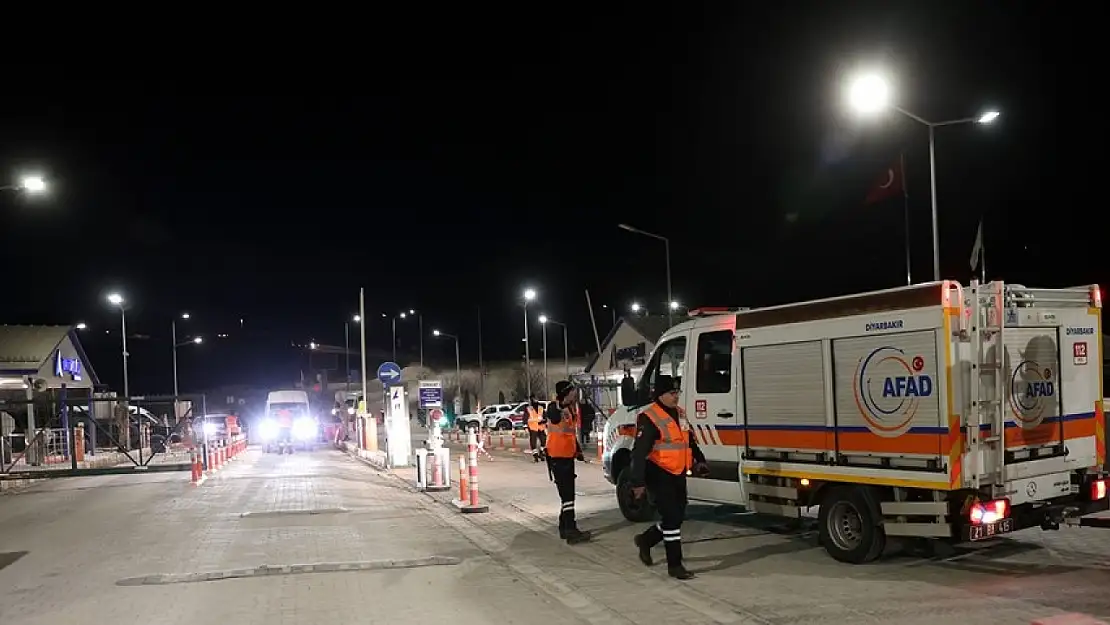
849,525
635,510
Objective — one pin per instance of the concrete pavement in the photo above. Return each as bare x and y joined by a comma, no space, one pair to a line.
310,538
756,565
323,538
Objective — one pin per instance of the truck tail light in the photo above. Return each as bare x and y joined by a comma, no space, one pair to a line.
1098,490
985,512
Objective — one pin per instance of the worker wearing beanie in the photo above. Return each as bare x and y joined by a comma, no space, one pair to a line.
563,417
663,455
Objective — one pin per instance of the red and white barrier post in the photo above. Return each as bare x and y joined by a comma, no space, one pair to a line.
471,504
464,489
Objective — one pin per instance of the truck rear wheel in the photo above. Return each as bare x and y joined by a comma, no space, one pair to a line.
633,509
849,526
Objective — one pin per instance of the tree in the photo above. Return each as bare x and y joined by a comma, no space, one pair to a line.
520,383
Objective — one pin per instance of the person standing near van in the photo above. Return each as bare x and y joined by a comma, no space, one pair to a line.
537,437
663,455
563,417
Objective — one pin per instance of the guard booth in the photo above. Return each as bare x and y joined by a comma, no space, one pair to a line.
56,419
41,369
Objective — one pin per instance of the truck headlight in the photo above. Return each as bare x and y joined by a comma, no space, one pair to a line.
268,430
304,429
210,429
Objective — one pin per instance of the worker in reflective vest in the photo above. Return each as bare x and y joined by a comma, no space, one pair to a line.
563,417
537,437
663,455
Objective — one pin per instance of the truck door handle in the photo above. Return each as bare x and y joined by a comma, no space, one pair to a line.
724,415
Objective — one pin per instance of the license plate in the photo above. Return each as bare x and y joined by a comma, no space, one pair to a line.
990,530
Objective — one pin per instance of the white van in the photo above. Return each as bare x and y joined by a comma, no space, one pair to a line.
288,421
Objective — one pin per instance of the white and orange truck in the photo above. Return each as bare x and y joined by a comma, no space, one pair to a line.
932,411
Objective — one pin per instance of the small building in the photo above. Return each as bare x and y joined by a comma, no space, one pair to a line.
627,347
36,362
624,351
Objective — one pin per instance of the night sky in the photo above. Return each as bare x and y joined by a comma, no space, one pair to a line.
445,163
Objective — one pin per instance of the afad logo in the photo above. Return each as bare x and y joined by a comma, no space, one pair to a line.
1032,393
889,389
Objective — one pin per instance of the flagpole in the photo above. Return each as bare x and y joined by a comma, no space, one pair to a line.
906,216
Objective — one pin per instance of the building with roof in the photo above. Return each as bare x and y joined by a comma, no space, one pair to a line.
627,347
40,358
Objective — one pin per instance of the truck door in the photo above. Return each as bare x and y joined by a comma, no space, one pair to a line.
710,400
1034,428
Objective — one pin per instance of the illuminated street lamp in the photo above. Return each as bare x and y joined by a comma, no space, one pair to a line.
870,94
529,295
544,320
173,335
116,299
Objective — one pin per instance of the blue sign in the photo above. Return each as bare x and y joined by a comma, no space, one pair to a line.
64,366
389,373
431,394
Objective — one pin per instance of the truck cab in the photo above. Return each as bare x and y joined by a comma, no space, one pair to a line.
698,355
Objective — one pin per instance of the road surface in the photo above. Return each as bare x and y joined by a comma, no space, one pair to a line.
322,537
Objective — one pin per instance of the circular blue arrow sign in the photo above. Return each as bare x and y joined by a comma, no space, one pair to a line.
389,373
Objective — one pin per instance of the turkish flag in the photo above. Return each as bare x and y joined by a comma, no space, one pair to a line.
890,184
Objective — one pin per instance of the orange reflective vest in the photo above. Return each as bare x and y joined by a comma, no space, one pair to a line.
534,417
671,451
562,437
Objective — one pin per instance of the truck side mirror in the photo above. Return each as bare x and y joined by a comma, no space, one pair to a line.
628,393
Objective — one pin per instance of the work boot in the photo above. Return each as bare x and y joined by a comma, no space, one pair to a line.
674,560
644,546
575,536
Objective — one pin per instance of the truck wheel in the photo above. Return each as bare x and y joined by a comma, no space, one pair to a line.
635,510
848,526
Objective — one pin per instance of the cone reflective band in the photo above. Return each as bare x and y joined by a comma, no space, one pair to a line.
472,460
463,488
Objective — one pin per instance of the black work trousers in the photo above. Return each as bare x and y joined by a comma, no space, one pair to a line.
669,492
537,440
562,472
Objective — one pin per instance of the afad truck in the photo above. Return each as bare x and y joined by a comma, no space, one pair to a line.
932,411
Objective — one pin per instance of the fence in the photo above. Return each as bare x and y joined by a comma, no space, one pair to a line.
56,433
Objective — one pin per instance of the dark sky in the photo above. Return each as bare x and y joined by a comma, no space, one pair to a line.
446,161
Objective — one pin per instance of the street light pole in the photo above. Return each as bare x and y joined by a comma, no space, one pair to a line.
529,295
870,94
347,354
117,300
667,257
394,338
458,363
933,202
173,335
566,350
546,382
362,331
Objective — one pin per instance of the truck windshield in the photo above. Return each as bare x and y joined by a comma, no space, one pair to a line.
287,408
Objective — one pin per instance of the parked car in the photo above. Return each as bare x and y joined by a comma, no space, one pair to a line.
515,420
491,413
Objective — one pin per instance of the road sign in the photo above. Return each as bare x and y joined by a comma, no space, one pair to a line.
389,373
431,394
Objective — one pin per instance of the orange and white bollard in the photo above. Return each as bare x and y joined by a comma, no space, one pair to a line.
194,478
464,490
512,441
600,446
471,504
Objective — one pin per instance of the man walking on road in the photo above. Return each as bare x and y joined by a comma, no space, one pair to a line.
662,456
563,418
537,438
